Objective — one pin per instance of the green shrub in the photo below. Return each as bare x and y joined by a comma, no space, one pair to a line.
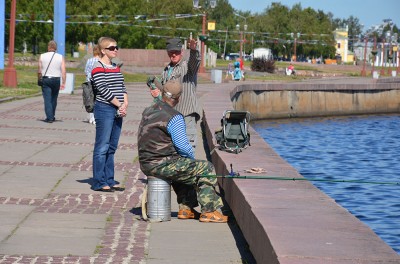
263,65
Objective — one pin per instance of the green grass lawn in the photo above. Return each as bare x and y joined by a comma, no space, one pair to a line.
27,81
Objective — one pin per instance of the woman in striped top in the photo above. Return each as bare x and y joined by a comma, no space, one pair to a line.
110,108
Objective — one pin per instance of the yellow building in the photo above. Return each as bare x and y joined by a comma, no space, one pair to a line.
342,40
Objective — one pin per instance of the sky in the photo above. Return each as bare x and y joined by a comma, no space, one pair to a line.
369,12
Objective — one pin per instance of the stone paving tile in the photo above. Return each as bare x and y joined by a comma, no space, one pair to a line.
125,235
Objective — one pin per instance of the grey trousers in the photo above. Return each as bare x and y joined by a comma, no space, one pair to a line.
191,130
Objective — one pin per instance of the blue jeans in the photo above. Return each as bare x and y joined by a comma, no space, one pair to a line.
108,131
50,90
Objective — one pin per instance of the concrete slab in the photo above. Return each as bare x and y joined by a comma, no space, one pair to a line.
126,155
30,181
10,216
4,168
202,237
56,234
61,154
43,133
19,151
195,240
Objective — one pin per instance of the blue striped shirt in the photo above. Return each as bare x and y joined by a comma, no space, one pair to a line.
109,83
89,67
177,129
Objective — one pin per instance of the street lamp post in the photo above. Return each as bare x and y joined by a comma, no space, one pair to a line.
10,73
295,44
383,58
363,72
241,40
374,52
242,45
398,59
390,55
203,32
396,49
203,38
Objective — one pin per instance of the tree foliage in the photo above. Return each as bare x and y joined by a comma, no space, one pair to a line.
147,23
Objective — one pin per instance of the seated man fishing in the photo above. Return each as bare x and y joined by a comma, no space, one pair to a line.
165,153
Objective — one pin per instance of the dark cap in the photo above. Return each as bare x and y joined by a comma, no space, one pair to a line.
172,89
174,44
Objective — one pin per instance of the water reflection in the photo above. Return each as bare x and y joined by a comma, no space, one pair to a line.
364,148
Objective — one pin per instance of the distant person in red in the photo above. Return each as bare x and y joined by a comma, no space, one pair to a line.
241,64
290,69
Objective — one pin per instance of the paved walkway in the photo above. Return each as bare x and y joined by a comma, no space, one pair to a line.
49,214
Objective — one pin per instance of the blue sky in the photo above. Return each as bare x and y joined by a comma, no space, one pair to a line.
369,12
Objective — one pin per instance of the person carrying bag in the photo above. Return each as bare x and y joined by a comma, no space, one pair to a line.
40,77
52,79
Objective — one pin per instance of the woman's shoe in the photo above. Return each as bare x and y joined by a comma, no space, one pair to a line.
118,189
105,190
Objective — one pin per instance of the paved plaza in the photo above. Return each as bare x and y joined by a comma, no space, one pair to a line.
49,214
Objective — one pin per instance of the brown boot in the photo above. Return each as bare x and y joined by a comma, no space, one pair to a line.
213,217
188,214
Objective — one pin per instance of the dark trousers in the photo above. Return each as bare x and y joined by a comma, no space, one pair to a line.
50,90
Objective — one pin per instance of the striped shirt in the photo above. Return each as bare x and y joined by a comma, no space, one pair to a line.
109,82
186,73
177,129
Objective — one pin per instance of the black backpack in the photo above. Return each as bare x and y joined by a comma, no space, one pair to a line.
88,96
234,135
89,93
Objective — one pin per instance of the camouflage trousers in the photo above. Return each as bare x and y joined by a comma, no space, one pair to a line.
189,188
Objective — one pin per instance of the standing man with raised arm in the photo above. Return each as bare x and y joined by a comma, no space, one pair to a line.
184,71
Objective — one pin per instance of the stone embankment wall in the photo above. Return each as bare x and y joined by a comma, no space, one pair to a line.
291,221
318,98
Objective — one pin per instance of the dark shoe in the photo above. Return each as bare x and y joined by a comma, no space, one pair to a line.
105,190
188,214
213,217
118,189
48,120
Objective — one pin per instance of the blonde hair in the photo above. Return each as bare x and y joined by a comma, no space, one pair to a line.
105,41
96,50
52,45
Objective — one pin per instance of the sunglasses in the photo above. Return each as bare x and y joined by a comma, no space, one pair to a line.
112,48
174,52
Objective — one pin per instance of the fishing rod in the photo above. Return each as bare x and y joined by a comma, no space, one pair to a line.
236,175
278,178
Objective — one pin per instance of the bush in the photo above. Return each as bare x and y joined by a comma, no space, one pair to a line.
263,65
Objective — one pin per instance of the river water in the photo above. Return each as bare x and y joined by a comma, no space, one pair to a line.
361,148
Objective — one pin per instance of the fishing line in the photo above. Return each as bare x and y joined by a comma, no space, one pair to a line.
261,177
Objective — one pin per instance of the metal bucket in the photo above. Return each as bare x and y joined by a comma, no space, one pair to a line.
158,200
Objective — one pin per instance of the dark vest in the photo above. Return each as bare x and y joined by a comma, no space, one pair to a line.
155,145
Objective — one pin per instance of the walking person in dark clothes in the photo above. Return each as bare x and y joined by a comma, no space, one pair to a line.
52,69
